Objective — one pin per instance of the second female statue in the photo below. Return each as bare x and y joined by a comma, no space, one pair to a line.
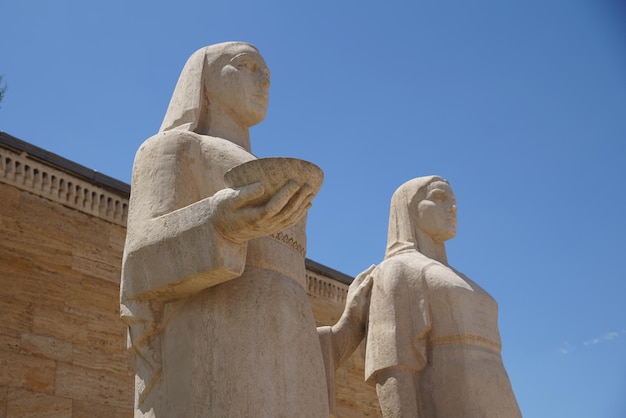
433,345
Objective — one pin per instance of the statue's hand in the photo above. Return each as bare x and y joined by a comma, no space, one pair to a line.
349,331
357,301
240,221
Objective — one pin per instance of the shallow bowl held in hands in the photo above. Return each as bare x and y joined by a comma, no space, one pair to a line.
273,173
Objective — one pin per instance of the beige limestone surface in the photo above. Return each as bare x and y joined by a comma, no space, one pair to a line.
61,242
213,281
62,351
433,344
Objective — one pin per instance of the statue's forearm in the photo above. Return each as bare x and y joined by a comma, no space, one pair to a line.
347,335
179,254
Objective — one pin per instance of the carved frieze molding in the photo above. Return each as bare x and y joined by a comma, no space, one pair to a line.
326,287
42,180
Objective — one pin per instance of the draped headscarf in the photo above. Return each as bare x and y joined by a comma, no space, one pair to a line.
399,317
188,108
402,234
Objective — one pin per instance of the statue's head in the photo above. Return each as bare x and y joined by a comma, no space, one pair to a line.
424,205
230,78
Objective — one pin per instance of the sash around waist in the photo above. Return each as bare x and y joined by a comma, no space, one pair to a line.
278,254
465,339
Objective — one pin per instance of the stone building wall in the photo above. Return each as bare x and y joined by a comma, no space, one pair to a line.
62,344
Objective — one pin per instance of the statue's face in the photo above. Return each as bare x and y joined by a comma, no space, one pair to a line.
436,213
243,86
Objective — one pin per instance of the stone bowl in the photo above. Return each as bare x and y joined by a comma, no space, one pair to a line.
273,173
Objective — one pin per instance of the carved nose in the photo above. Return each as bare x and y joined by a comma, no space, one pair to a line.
264,81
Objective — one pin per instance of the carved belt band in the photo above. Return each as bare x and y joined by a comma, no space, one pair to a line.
466,339
290,242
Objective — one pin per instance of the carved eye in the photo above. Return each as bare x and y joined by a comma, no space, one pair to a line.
438,196
248,65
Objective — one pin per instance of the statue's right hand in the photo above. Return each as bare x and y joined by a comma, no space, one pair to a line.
239,220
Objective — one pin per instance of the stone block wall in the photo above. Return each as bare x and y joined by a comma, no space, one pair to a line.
62,350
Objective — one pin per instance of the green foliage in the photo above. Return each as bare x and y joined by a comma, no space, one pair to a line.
3,89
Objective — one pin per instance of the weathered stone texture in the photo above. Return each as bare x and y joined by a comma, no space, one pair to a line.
433,344
62,348
62,344
24,403
354,397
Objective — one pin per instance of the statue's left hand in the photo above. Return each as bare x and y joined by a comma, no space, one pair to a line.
239,220
357,303
349,331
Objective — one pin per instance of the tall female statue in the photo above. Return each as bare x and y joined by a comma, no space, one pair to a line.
212,283
433,345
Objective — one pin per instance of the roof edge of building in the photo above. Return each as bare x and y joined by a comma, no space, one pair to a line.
63,164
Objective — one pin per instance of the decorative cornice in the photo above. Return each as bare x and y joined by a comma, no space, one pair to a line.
51,159
43,180
328,272
326,287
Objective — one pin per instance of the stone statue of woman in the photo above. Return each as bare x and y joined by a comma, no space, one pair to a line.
219,320
433,345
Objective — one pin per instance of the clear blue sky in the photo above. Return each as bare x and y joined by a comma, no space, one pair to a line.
521,104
